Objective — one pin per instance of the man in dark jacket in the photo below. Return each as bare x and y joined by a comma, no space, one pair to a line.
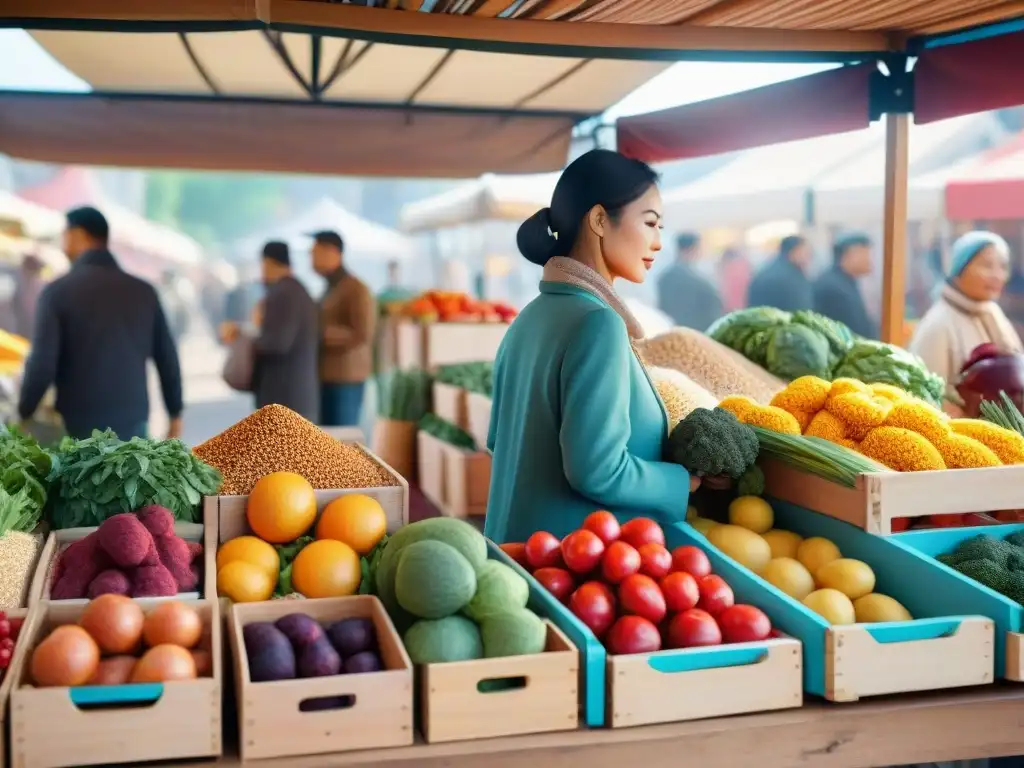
783,283
288,342
836,293
684,294
95,330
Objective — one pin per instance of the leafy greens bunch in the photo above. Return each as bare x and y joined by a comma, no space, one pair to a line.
24,467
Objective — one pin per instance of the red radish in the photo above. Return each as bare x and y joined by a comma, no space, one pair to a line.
692,560
715,594
558,581
641,595
543,550
582,551
620,560
655,561
640,531
633,634
693,628
680,591
603,524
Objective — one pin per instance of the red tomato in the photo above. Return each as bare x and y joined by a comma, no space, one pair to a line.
715,594
693,628
641,595
581,551
557,581
543,550
655,561
744,624
603,524
593,604
517,552
620,560
642,530
633,634
691,560
680,591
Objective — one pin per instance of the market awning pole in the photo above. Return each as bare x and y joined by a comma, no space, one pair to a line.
894,233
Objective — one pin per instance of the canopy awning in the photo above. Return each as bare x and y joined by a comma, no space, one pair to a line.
852,193
992,188
489,198
27,218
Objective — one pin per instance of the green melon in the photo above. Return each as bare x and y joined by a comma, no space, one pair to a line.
519,632
498,589
433,580
437,641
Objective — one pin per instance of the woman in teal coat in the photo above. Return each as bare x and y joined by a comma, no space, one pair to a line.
576,424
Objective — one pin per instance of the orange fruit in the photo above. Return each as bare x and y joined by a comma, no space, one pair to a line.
244,582
326,568
281,507
251,550
355,519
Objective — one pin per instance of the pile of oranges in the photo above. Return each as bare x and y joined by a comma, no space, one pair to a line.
281,509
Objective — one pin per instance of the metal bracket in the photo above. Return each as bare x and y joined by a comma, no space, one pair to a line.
891,93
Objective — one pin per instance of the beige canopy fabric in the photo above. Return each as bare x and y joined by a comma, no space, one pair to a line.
489,198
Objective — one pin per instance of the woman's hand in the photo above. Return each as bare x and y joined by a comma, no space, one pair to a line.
694,483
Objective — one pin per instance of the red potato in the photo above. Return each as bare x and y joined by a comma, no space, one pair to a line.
715,594
619,562
641,596
640,531
744,624
582,551
633,634
691,560
558,581
655,561
543,550
692,629
680,591
604,525
593,604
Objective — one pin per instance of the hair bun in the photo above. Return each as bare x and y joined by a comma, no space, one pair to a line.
535,239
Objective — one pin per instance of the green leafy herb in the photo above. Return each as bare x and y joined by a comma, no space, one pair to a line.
368,568
1004,413
448,432
24,466
17,512
102,476
287,553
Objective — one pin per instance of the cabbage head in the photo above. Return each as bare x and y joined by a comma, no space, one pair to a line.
796,350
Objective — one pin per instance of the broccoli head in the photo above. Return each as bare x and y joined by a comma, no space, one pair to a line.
751,483
1017,539
985,572
983,547
1014,587
713,442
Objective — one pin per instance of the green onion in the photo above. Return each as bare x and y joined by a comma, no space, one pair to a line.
835,463
1003,414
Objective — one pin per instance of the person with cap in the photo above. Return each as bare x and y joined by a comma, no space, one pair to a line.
836,292
966,312
684,294
285,347
95,330
782,282
348,316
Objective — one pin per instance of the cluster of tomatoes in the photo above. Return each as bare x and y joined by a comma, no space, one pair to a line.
9,631
633,593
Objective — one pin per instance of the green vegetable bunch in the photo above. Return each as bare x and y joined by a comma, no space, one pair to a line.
405,395
1004,413
17,512
448,432
475,377
100,476
996,563
874,362
711,443
815,456
24,466
368,565
286,554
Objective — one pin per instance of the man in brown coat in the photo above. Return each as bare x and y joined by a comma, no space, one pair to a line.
348,314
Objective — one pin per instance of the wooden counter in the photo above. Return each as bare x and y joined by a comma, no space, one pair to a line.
984,722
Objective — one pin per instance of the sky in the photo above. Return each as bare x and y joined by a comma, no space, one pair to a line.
24,65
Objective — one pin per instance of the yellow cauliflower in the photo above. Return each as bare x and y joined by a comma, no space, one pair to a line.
853,445
901,450
802,418
738,405
846,386
804,395
770,417
962,452
859,411
1006,444
889,392
918,416
827,427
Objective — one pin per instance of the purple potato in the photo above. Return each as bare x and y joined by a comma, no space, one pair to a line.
352,636
270,653
366,661
318,659
300,629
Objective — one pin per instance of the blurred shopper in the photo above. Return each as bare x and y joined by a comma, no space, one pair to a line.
734,273
95,330
348,316
837,292
783,281
684,294
30,284
966,312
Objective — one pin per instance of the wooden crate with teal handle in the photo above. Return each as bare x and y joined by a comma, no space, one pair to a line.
967,595
947,645
681,684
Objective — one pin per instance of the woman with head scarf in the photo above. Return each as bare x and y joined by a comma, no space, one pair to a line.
966,312
576,423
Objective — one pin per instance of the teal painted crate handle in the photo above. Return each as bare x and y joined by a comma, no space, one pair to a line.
908,631
113,695
695,659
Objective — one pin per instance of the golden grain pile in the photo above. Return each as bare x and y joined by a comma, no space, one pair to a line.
679,393
276,439
711,365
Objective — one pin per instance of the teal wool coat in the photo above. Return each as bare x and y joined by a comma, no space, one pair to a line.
576,424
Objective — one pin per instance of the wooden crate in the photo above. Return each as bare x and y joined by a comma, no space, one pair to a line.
672,686
60,540
455,480
435,344
479,414
8,681
545,696
880,497
180,720
379,711
449,403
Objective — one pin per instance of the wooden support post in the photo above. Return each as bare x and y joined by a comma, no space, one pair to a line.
894,234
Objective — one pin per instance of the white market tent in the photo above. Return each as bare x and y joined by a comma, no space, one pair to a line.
33,220
852,192
489,198
764,184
